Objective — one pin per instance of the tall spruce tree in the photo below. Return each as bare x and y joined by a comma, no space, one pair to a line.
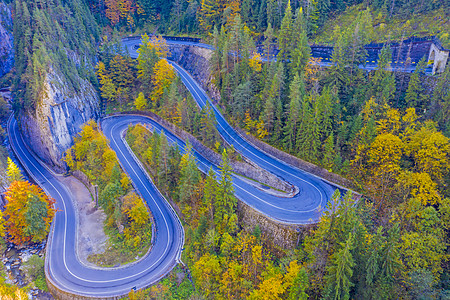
340,272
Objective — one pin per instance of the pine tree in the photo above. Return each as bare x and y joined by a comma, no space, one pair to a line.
208,125
323,9
383,81
225,201
296,96
373,262
268,41
285,35
328,153
390,256
415,93
301,50
340,272
312,16
163,162
338,77
216,55
442,96
189,176
209,194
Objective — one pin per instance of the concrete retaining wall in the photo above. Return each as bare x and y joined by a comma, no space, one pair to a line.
63,295
283,235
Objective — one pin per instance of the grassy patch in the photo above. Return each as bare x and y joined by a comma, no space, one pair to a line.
118,252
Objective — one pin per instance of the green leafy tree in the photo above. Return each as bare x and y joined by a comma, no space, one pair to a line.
35,215
146,61
299,286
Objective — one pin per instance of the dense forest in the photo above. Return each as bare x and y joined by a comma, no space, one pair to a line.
386,132
199,17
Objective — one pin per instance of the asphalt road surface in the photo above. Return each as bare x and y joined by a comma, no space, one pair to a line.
132,46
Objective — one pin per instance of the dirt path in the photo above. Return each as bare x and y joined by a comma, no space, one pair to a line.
91,238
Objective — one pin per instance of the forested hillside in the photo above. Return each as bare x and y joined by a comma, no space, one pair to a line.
386,131
201,16
54,77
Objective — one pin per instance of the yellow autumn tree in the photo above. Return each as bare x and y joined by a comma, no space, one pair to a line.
140,102
28,211
207,271
137,223
13,172
430,151
419,186
163,76
255,62
158,43
383,165
107,87
390,123
271,288
209,13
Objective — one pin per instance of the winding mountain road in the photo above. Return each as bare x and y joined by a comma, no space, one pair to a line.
67,273
63,269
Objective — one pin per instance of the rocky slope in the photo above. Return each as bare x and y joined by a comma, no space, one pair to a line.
195,60
58,118
6,40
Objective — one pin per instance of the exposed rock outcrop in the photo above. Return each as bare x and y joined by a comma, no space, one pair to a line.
58,118
195,60
6,40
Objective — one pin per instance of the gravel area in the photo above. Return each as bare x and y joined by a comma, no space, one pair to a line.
91,237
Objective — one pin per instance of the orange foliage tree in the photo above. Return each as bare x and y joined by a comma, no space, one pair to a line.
28,213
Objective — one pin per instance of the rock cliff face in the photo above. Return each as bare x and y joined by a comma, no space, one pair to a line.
58,118
6,40
195,60
55,56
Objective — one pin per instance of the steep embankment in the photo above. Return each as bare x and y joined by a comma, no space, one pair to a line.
53,90
6,40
